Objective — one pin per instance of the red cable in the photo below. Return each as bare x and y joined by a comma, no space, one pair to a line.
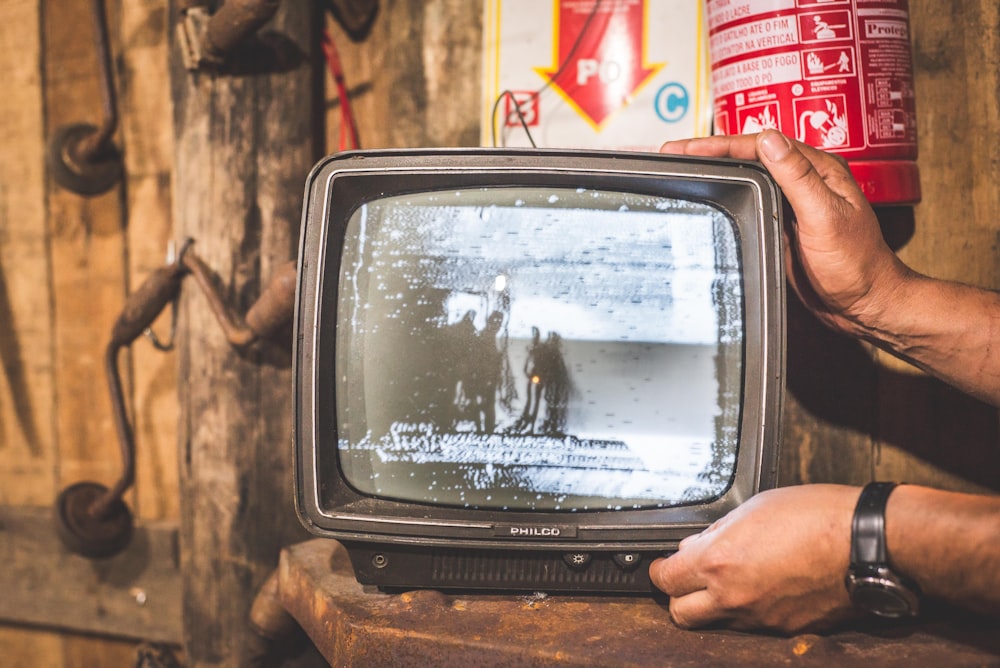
348,126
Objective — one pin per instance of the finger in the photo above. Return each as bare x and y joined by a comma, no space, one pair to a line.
825,170
686,542
809,178
695,610
834,171
677,574
742,147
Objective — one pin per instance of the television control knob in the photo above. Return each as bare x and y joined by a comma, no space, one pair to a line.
577,560
627,560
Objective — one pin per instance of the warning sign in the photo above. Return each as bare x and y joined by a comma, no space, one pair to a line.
617,74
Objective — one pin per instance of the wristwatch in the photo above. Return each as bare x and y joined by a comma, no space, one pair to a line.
871,582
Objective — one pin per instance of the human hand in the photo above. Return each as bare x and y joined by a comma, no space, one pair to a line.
776,562
837,260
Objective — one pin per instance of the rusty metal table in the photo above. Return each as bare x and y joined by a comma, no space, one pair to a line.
350,626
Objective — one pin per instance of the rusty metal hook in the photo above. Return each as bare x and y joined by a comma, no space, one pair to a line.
91,519
83,158
271,310
172,257
207,39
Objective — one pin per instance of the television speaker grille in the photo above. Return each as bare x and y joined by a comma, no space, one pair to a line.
508,570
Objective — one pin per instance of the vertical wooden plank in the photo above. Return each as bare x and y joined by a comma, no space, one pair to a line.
147,133
400,76
452,62
244,146
930,433
87,253
981,43
955,50
416,78
27,438
24,648
357,61
86,652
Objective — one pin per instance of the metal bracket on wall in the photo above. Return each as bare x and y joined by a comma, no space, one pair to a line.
207,39
91,519
230,40
81,156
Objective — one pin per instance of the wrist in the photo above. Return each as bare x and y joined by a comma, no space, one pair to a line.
872,583
878,317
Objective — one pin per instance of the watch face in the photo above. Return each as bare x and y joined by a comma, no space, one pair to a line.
884,598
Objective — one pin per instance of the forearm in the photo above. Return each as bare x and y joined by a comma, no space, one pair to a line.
948,542
949,330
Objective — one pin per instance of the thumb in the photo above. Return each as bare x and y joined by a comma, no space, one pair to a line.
820,188
834,237
803,172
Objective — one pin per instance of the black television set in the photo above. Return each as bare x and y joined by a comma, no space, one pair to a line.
533,370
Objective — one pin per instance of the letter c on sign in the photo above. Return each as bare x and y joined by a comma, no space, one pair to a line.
672,102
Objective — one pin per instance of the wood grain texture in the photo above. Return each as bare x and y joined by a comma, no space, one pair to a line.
65,267
27,452
135,595
244,145
87,259
147,134
416,80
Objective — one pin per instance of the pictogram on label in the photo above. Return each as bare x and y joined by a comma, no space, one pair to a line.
836,74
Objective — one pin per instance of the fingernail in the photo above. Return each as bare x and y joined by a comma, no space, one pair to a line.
672,146
774,145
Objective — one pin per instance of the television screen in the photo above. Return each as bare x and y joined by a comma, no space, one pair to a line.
511,344
539,349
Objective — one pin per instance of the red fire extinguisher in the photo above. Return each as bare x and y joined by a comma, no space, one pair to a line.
835,74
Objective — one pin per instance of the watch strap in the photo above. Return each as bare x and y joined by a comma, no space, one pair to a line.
868,527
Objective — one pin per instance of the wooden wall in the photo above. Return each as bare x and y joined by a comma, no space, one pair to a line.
67,262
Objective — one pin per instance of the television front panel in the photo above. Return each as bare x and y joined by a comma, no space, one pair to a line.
549,366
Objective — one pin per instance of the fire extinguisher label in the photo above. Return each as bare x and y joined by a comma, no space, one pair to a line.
836,74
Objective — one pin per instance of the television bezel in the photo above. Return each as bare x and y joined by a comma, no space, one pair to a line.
340,183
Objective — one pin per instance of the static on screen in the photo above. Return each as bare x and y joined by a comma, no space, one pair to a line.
539,349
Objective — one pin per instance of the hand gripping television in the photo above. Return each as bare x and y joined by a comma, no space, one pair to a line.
533,370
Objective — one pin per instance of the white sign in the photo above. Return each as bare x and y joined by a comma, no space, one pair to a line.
605,74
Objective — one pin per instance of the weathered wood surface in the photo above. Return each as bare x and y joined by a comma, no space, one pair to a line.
147,136
27,432
135,594
32,648
352,627
66,263
244,145
87,260
415,80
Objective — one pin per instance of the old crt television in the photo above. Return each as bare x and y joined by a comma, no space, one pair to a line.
533,370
